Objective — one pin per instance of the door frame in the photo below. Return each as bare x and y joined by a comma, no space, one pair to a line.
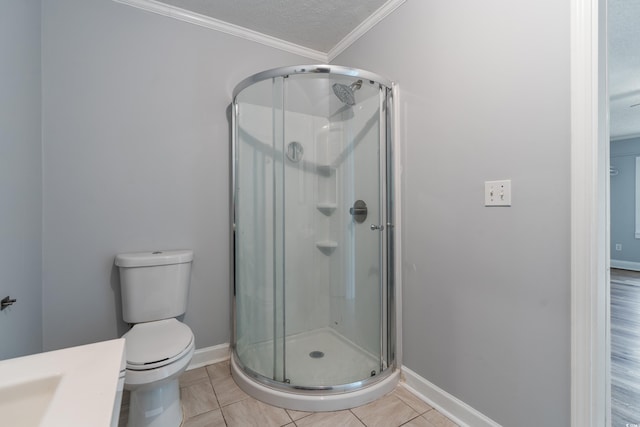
590,394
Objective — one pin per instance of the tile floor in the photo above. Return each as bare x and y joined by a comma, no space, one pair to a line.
210,398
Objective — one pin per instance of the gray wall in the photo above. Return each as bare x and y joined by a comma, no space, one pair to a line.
623,200
135,158
20,178
484,95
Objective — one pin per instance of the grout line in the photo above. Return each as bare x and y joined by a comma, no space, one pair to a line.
358,418
288,415
217,400
416,417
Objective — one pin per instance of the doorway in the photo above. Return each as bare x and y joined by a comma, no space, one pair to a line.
623,69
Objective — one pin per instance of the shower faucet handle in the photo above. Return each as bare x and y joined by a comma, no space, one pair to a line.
377,227
359,211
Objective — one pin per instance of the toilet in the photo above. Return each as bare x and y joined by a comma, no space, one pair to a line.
155,287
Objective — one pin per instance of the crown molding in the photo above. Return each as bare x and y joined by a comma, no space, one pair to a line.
377,16
224,27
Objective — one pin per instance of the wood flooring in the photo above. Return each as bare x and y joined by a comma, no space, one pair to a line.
625,348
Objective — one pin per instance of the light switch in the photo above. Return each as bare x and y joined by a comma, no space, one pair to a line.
497,193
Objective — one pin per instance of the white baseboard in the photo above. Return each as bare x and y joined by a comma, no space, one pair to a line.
209,355
448,405
625,265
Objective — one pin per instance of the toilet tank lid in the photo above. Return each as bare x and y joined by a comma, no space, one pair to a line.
146,259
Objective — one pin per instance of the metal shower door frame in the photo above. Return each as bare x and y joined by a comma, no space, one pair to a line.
387,213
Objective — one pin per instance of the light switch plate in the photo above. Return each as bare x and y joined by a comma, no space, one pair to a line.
497,193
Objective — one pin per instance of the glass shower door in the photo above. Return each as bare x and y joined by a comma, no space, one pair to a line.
259,233
333,244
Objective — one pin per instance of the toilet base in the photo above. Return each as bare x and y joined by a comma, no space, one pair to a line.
157,406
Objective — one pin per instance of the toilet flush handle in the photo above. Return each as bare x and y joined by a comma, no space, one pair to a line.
7,302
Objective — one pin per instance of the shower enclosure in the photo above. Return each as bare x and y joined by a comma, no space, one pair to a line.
313,232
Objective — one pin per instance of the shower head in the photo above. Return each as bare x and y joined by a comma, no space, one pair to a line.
346,93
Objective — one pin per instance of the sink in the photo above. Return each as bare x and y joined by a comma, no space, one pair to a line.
25,402
76,386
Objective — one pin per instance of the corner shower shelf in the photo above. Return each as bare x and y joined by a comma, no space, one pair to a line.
326,208
327,246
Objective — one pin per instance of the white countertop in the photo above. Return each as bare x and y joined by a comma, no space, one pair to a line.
80,385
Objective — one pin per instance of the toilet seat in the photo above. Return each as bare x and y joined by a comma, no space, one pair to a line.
152,345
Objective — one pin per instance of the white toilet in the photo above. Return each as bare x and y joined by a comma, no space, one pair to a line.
155,287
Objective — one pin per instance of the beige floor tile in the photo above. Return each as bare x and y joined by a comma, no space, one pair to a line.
418,422
198,399
438,420
411,399
251,412
208,419
193,376
228,392
388,411
219,371
296,415
210,394
330,419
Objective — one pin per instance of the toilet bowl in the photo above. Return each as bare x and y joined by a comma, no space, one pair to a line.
158,346
157,354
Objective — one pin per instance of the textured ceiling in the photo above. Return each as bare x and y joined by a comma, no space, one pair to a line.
624,67
315,24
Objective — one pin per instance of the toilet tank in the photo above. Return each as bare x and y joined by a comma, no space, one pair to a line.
154,285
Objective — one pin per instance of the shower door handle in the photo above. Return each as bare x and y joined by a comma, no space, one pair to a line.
377,227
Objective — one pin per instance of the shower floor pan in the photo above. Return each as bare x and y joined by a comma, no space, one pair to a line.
341,362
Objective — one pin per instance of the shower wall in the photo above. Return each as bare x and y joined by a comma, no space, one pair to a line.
306,266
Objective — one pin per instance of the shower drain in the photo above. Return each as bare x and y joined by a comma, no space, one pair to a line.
316,354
